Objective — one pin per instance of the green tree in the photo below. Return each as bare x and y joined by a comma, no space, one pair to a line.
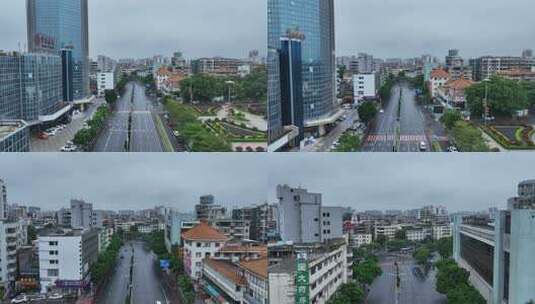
422,255
505,96
348,293
110,96
367,111
465,294
253,87
367,271
468,138
445,247
450,276
341,71
450,118
203,88
348,143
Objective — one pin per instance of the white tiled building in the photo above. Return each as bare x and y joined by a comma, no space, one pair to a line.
327,272
360,239
200,242
66,256
364,87
439,78
12,237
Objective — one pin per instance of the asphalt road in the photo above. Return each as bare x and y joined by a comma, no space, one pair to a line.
413,290
117,288
146,284
147,287
324,143
144,138
412,124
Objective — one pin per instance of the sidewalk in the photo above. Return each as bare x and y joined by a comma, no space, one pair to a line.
55,143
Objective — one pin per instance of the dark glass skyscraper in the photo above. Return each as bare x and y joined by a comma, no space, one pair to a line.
315,19
54,25
291,84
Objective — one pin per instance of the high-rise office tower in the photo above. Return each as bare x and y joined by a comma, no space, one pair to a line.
292,82
3,200
314,18
54,25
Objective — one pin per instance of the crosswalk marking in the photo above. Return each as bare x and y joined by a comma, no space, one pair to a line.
403,138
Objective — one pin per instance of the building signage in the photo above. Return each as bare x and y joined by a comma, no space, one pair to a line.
165,264
302,280
44,42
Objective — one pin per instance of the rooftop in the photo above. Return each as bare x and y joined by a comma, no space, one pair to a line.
204,232
226,269
8,127
439,73
256,266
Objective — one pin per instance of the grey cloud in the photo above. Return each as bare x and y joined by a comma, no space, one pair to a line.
128,28
392,28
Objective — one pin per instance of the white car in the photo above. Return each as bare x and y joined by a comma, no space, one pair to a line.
51,132
55,296
423,146
381,111
452,149
176,133
69,148
22,298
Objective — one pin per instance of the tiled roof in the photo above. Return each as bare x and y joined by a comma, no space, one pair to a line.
226,269
204,232
459,84
439,73
257,266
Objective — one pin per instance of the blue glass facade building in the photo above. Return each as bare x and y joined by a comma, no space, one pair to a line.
54,25
30,86
291,84
315,19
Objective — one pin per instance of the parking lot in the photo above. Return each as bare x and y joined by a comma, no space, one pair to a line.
60,139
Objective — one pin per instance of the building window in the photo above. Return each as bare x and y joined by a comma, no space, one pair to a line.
53,272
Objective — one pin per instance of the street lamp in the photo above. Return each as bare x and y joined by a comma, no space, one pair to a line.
229,83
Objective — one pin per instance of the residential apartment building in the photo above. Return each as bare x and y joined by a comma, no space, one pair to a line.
439,78
200,242
499,253
106,81
303,219
174,221
360,239
313,271
262,221
364,87
216,66
452,94
208,210
12,238
81,214
65,258
3,200
487,66
386,230
233,229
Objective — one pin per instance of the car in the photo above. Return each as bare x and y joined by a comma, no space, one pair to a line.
22,298
381,111
423,146
55,296
37,298
176,133
69,148
43,135
51,132
453,149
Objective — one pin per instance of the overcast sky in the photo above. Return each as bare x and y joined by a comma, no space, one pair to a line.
138,181
462,182
409,28
128,28
361,181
